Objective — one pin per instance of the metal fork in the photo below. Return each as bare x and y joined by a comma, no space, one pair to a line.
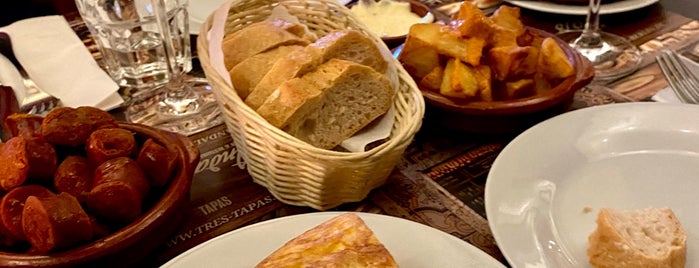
36,101
681,79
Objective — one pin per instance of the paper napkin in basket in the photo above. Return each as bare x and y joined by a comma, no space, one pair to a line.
666,95
60,64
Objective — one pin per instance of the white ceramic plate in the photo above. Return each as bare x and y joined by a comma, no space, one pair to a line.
624,156
411,244
610,8
199,10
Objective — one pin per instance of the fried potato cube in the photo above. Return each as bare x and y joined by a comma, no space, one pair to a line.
485,82
448,43
418,58
513,61
464,80
470,21
502,37
433,80
509,18
458,80
519,89
553,63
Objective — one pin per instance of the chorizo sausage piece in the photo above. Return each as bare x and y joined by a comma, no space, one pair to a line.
72,126
116,201
12,204
25,125
107,143
42,160
14,163
157,162
74,176
119,187
55,222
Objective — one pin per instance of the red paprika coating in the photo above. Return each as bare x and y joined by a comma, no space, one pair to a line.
55,222
25,125
14,163
74,176
108,143
157,162
72,126
42,160
119,186
12,204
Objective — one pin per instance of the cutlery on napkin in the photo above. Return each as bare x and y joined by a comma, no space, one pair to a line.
59,63
667,95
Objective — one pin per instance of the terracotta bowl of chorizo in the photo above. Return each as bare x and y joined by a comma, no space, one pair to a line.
81,189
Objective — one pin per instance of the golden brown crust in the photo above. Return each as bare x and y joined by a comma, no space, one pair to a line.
611,246
256,38
343,241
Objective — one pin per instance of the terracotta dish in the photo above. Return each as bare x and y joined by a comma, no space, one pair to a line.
135,241
509,116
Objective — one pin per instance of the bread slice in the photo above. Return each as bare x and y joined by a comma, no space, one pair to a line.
248,73
651,237
330,104
260,37
348,45
343,241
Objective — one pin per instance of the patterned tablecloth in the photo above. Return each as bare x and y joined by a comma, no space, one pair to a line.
440,180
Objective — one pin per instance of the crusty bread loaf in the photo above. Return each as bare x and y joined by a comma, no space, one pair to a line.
329,104
260,37
650,237
248,73
343,241
346,45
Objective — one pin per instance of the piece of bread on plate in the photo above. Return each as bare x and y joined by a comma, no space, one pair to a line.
330,104
343,241
260,37
347,45
248,73
651,237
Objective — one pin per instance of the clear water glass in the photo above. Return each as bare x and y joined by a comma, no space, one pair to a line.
145,47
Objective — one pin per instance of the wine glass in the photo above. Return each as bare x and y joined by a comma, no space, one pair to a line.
183,105
612,56
145,48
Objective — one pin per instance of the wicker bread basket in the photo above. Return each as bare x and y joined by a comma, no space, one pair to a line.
295,172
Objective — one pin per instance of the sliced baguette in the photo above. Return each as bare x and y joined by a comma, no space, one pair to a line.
649,237
260,37
330,104
248,73
345,45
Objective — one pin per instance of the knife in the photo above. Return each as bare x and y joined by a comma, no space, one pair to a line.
8,105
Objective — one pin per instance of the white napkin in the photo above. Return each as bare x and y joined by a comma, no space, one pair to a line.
60,64
667,95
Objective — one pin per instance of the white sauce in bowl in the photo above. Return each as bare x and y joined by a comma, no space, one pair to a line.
388,18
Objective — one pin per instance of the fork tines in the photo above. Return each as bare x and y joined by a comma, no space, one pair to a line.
681,79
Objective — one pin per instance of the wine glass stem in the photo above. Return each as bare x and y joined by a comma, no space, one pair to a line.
178,97
591,37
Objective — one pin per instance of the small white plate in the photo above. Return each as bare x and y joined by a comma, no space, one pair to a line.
411,244
609,8
623,156
199,10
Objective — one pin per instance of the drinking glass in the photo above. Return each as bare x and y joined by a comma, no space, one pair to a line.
613,56
145,47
